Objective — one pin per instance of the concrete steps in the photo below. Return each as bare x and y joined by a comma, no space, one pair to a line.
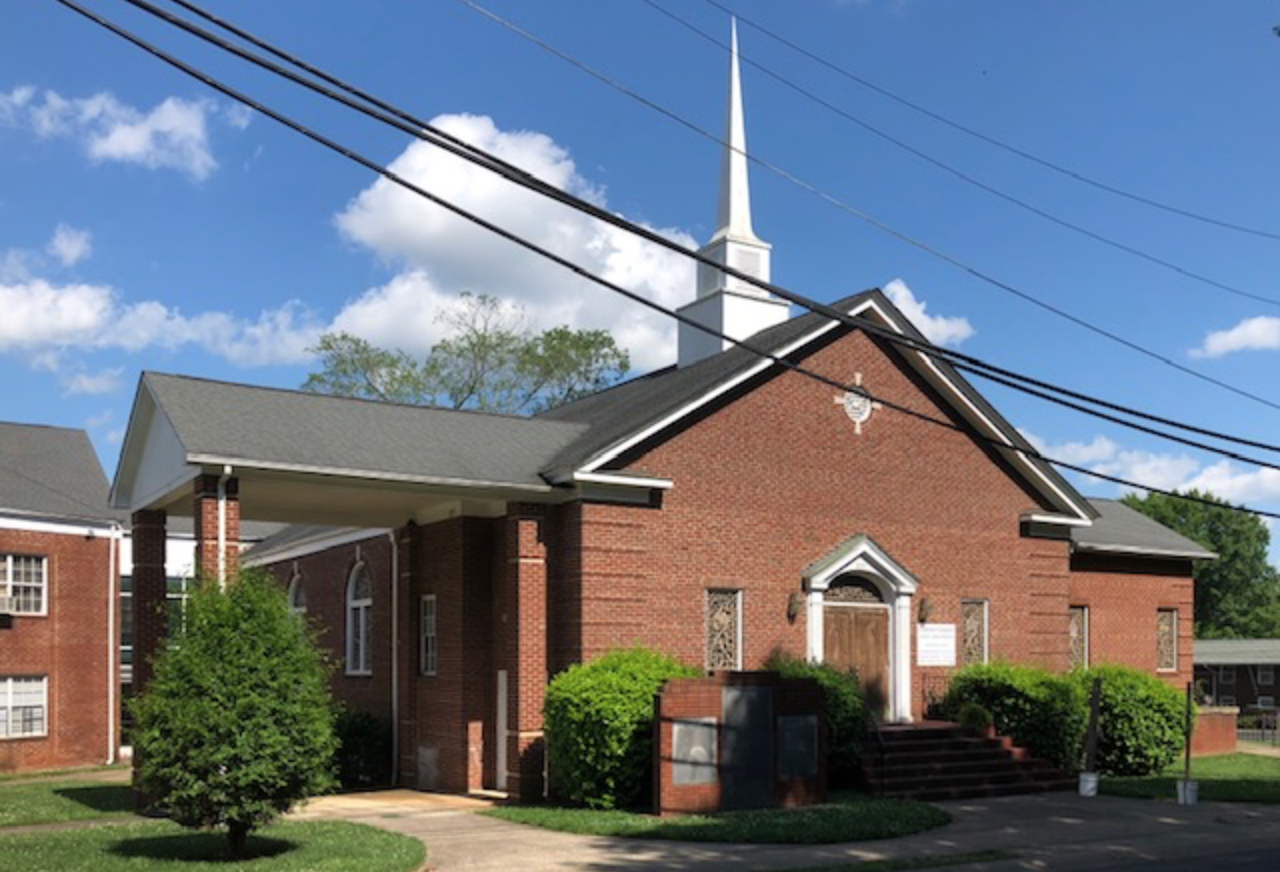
937,761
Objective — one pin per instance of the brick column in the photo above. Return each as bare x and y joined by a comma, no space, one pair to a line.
206,526
408,550
150,622
522,647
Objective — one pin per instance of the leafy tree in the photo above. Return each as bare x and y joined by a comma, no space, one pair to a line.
489,361
236,726
1237,595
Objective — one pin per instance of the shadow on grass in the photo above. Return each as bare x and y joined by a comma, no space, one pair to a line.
105,798
193,847
1211,790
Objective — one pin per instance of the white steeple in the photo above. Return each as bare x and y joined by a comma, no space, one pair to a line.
725,303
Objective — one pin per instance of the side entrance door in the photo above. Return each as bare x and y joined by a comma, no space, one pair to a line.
857,637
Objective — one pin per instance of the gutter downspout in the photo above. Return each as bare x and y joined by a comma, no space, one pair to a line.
113,644
222,526
395,657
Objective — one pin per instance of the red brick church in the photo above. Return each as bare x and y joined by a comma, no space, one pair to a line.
721,509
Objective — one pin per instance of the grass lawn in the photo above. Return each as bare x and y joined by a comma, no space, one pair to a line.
847,818
157,846
1225,778
42,802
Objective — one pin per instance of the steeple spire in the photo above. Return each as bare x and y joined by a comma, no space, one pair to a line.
733,210
727,304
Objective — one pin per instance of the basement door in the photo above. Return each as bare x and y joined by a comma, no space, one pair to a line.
857,637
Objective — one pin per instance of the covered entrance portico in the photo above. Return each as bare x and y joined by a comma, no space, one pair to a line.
859,617
473,541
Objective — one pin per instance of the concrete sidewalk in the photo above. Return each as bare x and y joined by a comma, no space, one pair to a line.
1059,831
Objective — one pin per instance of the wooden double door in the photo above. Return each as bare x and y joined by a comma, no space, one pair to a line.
857,637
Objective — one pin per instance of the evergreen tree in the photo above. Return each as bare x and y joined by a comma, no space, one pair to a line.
236,726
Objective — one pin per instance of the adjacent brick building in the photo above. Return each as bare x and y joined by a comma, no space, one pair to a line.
829,489
58,616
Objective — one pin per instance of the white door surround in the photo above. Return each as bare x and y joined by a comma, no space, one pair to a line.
862,557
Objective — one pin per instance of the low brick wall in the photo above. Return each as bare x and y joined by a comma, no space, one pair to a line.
1215,731
699,703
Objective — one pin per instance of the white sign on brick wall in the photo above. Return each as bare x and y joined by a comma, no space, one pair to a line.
935,644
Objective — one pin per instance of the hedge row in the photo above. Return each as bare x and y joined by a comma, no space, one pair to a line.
1140,718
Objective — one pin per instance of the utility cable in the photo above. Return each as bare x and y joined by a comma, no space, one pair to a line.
991,140
424,130
901,236
226,90
966,177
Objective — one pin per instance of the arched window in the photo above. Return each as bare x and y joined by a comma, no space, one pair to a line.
359,621
297,595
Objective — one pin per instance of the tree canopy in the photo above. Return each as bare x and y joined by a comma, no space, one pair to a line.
490,361
1237,595
237,724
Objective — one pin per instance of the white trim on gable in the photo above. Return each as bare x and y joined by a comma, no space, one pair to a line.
933,373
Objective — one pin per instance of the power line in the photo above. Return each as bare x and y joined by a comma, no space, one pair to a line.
865,217
421,129
1028,452
991,140
967,178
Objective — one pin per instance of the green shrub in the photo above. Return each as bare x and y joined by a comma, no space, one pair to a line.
599,727
1140,720
846,712
974,718
364,749
237,724
1042,712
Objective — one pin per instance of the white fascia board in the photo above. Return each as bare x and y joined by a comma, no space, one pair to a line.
637,481
60,526
1139,551
240,463
314,545
1057,520
720,390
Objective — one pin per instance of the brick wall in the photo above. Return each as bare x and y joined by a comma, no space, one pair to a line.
777,479
70,645
1123,595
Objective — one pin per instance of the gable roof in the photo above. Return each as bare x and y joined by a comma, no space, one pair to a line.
625,416
203,423
51,473
1235,652
1119,529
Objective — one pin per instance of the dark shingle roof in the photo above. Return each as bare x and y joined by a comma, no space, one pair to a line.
312,431
51,472
1235,652
1120,529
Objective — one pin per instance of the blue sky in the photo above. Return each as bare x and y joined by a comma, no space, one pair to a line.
148,223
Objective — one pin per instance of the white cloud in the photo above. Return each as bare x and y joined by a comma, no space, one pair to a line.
172,135
103,382
70,246
1251,334
441,256
938,329
45,322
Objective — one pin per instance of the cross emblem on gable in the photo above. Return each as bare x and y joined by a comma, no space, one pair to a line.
857,404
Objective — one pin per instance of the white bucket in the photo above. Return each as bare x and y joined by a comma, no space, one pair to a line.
1188,792
1088,783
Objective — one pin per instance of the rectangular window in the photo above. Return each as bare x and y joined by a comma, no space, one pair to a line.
427,627
23,707
1266,702
1227,700
1227,675
23,582
1079,636
1167,640
724,629
1266,676
973,620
